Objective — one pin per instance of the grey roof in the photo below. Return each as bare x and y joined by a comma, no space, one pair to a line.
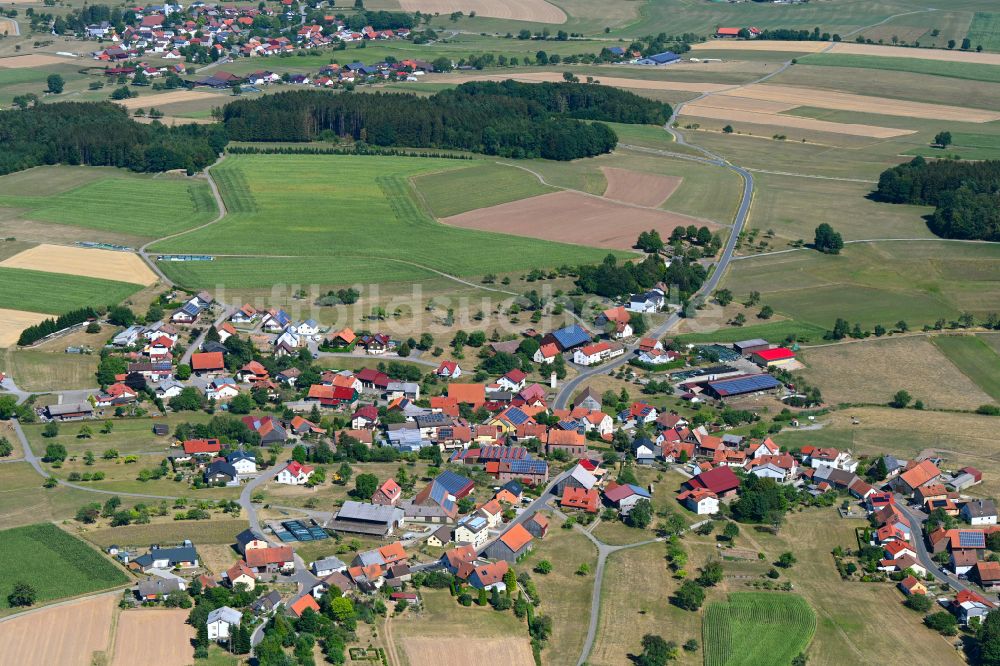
268,601
405,387
585,478
370,557
980,508
70,408
226,614
245,537
171,555
373,513
754,342
158,586
443,533
332,563
412,510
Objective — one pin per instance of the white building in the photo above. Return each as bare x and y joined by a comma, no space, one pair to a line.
221,623
295,474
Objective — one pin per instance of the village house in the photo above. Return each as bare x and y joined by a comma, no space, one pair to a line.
277,559
247,540
240,574
472,529
295,474
511,545
980,512
388,494
700,500
221,623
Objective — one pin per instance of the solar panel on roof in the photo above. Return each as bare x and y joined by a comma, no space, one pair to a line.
744,384
971,540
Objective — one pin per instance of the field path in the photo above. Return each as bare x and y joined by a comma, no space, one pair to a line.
867,240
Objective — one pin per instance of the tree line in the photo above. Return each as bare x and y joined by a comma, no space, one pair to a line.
966,195
507,119
102,134
34,333
613,280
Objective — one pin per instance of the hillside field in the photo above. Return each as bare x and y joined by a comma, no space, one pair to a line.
975,358
56,293
55,563
344,209
757,627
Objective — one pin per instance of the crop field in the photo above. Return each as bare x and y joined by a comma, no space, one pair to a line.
44,371
944,68
169,203
774,331
635,83
36,60
55,563
871,371
85,262
872,283
343,207
966,145
163,632
55,293
72,634
976,360
757,627
12,322
536,11
985,30
641,189
707,109
949,55
453,192
575,217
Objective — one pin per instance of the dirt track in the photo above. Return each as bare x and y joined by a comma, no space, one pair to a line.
157,636
571,217
67,635
105,264
12,322
468,650
537,11
636,187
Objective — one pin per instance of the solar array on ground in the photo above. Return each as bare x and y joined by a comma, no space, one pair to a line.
296,530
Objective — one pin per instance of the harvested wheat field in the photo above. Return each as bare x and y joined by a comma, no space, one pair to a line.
104,264
536,11
20,61
463,651
763,45
871,371
573,217
923,54
160,632
616,81
172,97
636,187
744,104
12,322
706,109
841,101
68,634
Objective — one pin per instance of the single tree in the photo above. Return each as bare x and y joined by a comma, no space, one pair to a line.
22,594
942,139
365,485
827,240
901,399
54,84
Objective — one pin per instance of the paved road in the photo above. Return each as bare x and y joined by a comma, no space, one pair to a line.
537,505
227,312
246,499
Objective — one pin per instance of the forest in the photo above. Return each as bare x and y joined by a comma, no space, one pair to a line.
507,119
102,134
966,195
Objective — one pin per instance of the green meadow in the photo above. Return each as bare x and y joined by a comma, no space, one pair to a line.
56,293
352,217
916,65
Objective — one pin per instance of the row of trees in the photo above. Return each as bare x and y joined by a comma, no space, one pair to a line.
102,134
38,331
966,194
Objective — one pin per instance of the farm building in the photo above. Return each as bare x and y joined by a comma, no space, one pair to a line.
773,358
69,412
570,337
747,347
360,518
721,481
734,386
665,58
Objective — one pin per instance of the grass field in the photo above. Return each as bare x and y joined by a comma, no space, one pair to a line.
55,293
129,436
872,371
873,283
168,204
966,145
46,371
453,192
565,595
344,207
55,563
757,627
975,358
951,70
985,30
23,500
216,531
775,331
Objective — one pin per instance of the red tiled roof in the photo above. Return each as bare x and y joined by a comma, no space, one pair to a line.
207,361
516,538
302,604
202,446
473,394
259,557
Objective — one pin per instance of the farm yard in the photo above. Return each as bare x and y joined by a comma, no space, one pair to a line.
378,195
161,632
55,563
757,627
71,634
